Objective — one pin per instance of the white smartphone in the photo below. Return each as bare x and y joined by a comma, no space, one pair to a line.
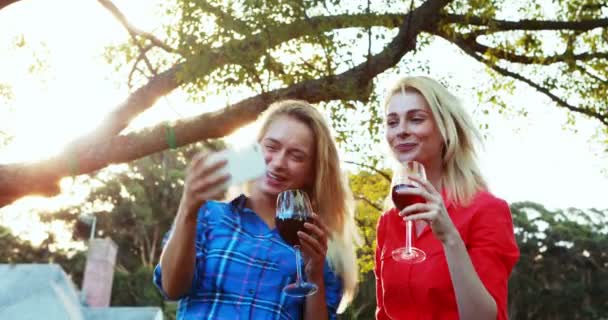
244,164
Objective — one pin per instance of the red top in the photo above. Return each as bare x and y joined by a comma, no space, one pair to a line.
424,290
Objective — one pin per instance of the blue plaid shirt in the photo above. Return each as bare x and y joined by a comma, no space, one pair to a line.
241,269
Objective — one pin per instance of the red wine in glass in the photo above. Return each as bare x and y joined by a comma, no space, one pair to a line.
403,200
293,210
288,228
402,181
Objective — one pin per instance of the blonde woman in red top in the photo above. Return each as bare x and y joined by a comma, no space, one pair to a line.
465,231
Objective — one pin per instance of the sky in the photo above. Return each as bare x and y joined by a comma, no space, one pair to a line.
536,157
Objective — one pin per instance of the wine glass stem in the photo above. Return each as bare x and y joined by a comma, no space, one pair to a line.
408,237
298,265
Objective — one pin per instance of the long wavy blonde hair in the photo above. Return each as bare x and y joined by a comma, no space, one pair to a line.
460,175
330,195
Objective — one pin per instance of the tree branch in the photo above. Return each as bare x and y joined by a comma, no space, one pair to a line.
5,3
227,19
380,172
148,250
133,31
523,59
590,74
155,240
17,180
603,118
463,44
256,45
140,100
142,252
526,24
142,55
368,201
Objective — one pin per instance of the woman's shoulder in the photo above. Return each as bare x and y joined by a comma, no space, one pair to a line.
212,210
485,199
487,205
491,225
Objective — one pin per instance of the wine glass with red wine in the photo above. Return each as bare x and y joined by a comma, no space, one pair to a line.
293,210
401,180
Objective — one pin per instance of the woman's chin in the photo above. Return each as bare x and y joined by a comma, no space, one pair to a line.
403,157
272,189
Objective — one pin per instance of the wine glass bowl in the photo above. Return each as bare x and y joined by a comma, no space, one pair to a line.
293,210
403,200
401,181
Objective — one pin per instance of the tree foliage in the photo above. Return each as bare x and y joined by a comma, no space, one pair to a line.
369,190
327,52
135,208
14,250
132,208
563,269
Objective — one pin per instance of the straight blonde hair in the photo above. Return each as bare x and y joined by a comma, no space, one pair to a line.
330,194
460,175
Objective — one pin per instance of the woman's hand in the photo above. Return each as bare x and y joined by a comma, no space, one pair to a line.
314,248
433,211
204,181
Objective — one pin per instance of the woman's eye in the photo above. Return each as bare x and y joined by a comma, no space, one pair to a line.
298,157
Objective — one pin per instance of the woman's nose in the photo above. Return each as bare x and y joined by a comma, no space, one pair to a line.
277,160
403,129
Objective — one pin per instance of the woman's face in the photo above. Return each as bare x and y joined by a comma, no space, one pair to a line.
288,147
411,131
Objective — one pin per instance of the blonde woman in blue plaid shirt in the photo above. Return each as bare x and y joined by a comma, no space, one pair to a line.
227,261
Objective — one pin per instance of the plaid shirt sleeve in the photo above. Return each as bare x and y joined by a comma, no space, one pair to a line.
333,291
201,226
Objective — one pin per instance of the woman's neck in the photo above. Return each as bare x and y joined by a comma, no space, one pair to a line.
433,174
264,205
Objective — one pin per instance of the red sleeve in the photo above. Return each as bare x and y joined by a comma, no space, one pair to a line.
380,312
493,250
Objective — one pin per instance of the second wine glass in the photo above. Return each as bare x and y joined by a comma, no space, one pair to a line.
293,210
401,180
